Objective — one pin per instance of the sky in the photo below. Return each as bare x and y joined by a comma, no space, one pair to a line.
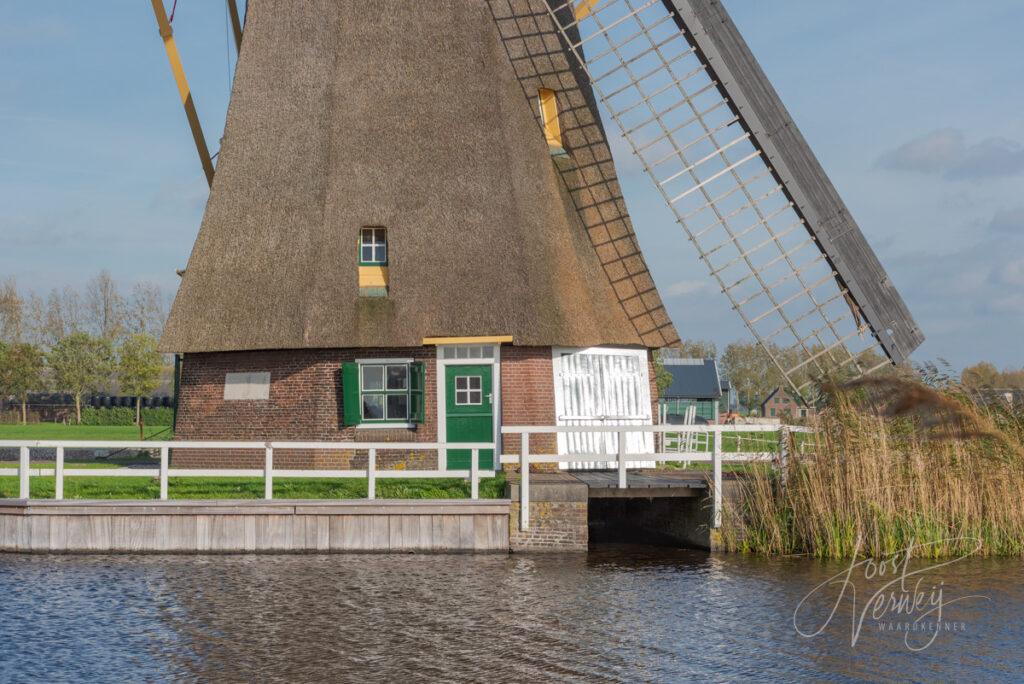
914,109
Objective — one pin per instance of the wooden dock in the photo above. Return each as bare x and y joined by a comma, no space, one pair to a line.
643,483
255,526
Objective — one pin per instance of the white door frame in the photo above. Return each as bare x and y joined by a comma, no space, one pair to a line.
442,413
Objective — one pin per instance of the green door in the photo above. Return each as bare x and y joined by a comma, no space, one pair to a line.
469,413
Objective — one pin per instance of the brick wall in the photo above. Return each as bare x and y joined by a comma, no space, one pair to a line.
305,404
527,396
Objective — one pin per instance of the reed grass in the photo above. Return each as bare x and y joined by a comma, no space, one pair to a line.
894,463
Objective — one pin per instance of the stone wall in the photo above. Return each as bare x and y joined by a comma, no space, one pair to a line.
558,514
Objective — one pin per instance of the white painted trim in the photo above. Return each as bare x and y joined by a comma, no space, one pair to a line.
442,417
378,362
385,426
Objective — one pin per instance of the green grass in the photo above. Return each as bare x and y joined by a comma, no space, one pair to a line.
252,488
57,431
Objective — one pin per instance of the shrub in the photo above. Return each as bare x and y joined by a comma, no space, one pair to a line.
124,415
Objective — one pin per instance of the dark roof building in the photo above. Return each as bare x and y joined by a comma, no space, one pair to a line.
695,383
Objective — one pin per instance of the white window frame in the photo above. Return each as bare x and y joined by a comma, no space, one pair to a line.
374,244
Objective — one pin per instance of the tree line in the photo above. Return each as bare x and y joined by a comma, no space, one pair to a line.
80,342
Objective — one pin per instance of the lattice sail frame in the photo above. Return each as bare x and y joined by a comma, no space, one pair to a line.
778,271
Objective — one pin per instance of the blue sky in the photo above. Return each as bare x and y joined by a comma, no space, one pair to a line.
913,107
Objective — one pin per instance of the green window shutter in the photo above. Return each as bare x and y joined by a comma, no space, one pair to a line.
417,376
350,393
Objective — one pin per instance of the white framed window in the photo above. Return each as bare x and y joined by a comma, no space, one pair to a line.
384,392
469,390
373,246
469,351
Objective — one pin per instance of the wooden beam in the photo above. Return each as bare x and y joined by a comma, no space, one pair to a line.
492,339
236,23
183,90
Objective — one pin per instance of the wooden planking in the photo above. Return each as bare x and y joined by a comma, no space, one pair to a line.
711,30
256,526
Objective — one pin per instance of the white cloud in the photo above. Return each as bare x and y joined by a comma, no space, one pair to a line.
945,152
932,153
1008,221
687,287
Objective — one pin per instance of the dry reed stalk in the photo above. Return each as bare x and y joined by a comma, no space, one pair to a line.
894,463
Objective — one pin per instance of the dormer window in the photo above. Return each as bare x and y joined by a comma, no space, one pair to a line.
373,247
373,262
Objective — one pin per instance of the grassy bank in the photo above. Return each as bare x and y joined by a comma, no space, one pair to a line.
252,488
894,464
55,431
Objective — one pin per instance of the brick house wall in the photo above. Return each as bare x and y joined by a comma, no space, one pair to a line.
305,404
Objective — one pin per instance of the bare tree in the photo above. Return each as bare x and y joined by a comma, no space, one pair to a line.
146,310
104,307
58,316
11,312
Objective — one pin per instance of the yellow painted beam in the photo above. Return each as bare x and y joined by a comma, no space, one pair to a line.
373,276
183,90
236,23
491,339
584,8
549,114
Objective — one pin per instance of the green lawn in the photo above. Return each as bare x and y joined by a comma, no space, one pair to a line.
252,488
57,431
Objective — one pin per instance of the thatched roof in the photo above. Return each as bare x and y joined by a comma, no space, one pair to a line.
420,117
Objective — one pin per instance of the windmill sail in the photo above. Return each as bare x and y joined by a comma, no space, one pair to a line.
692,102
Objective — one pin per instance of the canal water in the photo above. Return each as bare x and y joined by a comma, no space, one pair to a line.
617,614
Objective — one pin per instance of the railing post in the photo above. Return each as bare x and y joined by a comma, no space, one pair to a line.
371,475
524,482
164,459
622,459
784,442
268,474
474,474
23,489
716,467
58,483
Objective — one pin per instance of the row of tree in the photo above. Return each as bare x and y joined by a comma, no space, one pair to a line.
985,375
79,364
100,309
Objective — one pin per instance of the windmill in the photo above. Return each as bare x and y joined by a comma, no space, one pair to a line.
407,190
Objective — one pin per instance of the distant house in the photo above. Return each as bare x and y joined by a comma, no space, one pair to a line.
782,403
695,382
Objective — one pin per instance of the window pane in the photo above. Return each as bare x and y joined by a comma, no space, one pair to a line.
373,377
398,407
398,377
462,352
460,382
381,252
475,352
474,382
366,255
488,352
366,236
378,235
476,397
373,406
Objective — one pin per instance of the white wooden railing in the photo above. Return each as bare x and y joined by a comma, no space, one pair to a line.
371,473
622,461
